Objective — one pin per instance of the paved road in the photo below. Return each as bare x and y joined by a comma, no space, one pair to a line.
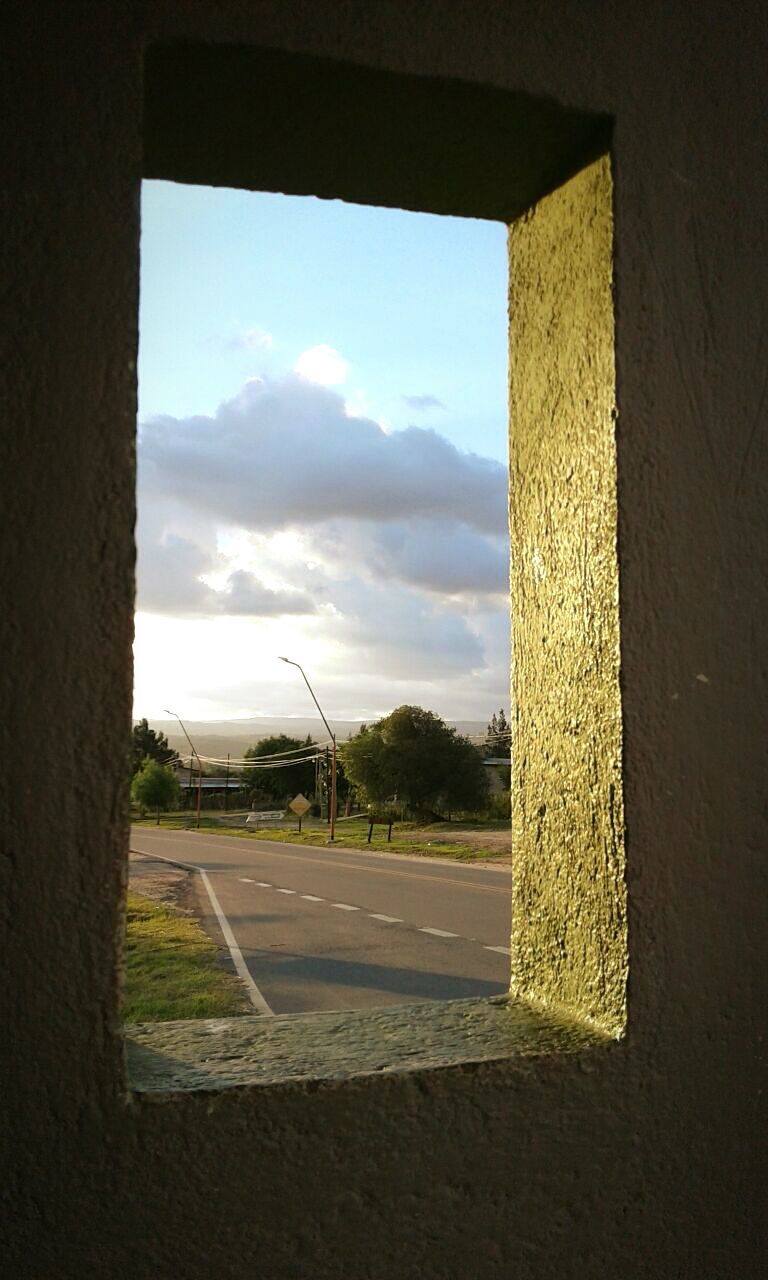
335,929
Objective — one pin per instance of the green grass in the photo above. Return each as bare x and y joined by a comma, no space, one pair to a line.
171,969
352,833
420,841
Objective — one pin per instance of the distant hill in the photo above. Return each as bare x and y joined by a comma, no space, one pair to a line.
217,737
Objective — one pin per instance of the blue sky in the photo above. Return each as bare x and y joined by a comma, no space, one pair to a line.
322,443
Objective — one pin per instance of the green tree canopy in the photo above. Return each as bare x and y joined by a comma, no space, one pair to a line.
278,783
155,786
148,742
414,755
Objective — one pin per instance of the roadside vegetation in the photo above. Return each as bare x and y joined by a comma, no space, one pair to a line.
154,786
447,795
413,755
434,841
463,842
172,969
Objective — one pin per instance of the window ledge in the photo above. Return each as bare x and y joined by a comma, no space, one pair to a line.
224,1053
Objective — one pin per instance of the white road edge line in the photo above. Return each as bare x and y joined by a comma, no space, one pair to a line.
254,995
344,906
311,897
387,919
285,890
256,998
438,933
245,880
505,951
262,884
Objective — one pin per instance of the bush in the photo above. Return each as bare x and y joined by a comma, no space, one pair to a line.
499,806
155,786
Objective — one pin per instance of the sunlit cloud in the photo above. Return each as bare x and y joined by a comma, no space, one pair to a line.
324,365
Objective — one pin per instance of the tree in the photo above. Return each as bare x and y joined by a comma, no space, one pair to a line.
497,735
414,755
282,781
148,742
155,786
498,742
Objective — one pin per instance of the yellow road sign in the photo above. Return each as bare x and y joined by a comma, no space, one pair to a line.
300,805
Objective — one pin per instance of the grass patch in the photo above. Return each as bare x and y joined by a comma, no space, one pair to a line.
425,842
171,969
419,841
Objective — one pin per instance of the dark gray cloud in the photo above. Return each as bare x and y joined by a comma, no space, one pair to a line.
422,403
285,454
438,556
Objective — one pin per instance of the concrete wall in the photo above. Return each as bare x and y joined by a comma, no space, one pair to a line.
638,1163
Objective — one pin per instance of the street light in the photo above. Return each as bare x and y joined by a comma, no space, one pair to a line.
199,765
331,735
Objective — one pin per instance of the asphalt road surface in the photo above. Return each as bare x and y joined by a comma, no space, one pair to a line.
325,928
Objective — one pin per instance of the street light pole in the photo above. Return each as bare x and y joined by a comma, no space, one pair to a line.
199,765
331,735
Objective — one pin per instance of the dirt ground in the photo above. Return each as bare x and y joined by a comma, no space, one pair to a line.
488,839
172,886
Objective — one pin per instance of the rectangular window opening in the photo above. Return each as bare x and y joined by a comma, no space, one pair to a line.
322,513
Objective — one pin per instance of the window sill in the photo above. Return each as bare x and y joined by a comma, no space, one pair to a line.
218,1054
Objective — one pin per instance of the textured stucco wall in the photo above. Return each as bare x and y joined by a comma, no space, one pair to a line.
640,1162
569,935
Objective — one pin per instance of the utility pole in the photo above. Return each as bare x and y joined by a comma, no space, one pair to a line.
199,764
226,787
332,736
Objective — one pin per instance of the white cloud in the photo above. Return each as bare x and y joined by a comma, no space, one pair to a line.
245,595
285,454
170,576
398,633
382,555
323,365
445,557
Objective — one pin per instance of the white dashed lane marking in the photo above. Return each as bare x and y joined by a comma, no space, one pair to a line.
372,915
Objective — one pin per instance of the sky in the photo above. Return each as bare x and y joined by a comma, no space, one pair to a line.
322,458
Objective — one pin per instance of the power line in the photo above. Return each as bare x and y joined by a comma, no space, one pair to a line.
254,764
276,755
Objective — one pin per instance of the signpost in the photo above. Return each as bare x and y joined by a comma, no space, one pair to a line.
385,820
300,805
